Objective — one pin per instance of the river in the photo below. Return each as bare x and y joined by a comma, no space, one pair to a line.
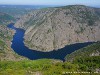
19,47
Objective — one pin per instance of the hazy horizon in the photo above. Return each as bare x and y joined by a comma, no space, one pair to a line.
51,2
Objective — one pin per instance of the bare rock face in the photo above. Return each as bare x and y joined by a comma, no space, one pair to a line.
53,28
97,53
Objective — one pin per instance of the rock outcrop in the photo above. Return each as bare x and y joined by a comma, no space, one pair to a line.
53,28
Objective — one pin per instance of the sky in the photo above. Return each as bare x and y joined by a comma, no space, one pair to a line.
51,2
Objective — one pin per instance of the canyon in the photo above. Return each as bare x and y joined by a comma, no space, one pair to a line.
53,28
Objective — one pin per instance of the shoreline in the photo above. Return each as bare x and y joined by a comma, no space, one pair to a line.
21,49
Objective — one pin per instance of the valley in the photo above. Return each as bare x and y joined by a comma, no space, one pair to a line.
54,28
49,41
19,47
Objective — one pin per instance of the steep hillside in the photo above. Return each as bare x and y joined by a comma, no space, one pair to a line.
53,28
6,53
6,35
5,19
88,58
89,51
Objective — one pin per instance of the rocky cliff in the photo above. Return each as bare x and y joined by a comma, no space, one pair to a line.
52,28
